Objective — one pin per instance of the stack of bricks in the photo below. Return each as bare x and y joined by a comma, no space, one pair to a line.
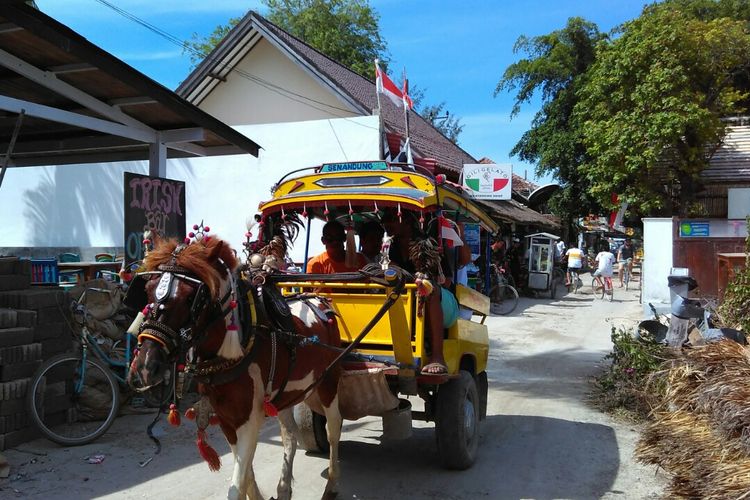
33,328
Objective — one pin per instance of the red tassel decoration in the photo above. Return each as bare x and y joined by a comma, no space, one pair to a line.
213,419
207,452
269,408
174,416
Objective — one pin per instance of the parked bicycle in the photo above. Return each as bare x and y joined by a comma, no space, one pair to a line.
602,286
503,296
74,397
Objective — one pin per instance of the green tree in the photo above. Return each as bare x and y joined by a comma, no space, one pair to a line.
449,125
555,68
347,31
652,104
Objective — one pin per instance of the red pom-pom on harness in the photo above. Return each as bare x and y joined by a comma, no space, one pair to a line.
207,452
174,416
269,407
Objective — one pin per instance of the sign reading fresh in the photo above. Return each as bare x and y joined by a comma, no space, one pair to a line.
488,181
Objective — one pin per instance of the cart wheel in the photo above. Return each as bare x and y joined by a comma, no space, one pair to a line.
312,429
482,386
457,422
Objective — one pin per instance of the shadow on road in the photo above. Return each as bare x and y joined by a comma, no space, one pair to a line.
519,457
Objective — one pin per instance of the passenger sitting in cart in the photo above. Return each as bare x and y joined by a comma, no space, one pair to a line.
333,260
442,307
370,241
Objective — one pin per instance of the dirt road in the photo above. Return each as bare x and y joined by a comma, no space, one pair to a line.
540,440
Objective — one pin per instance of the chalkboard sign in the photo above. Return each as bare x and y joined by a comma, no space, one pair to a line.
152,203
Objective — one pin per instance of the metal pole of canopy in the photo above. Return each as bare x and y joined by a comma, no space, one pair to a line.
307,244
11,145
487,261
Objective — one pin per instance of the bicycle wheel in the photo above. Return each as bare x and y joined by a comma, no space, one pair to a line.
574,281
504,300
71,402
626,277
610,290
598,288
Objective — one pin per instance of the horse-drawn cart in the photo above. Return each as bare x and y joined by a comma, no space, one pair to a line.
386,358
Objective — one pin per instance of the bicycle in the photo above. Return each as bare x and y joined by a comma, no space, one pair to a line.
603,288
626,272
503,296
74,397
575,280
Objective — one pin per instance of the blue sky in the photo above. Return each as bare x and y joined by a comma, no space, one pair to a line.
455,51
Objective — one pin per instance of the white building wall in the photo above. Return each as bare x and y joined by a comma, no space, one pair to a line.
82,205
657,253
243,99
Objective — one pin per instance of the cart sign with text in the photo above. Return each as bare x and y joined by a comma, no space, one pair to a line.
488,182
152,203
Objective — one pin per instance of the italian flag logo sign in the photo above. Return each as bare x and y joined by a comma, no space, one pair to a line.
488,181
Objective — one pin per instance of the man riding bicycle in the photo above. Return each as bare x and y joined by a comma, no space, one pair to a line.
625,258
605,264
575,260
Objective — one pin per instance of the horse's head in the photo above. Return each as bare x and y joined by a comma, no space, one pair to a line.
184,295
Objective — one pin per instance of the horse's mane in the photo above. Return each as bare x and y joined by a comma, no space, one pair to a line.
199,257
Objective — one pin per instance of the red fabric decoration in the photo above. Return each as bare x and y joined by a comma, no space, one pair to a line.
174,416
207,452
190,413
213,419
269,408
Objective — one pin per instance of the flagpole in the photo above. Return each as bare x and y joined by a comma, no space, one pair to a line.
381,127
406,116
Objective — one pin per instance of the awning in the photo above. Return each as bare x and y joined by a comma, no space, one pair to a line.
73,102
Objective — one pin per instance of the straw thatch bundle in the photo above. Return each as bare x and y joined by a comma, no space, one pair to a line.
701,431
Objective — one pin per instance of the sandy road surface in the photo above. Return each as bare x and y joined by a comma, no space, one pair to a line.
540,440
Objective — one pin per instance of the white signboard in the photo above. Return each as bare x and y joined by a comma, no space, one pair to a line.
488,181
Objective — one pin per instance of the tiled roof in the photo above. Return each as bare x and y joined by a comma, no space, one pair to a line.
731,162
426,141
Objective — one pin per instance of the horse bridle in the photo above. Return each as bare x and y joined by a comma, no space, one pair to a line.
153,329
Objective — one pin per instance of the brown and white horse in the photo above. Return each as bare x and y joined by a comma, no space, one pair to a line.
190,304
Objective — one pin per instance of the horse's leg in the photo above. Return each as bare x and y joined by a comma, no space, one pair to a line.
243,477
333,429
289,439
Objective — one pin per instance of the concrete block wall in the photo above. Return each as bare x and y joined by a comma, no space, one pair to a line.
33,328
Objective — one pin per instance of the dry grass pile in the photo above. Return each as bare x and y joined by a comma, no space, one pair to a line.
701,429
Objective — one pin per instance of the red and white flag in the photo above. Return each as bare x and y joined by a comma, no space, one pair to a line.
384,85
408,103
448,233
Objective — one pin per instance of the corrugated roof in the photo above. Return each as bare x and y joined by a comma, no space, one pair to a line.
82,104
731,162
427,142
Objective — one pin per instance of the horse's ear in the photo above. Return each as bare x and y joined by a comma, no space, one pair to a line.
215,248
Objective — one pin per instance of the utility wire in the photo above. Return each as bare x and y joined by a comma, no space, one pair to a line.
284,92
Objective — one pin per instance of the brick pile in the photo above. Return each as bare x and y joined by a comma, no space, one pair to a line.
33,328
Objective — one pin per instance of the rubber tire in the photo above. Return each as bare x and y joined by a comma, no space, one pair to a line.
91,364
457,409
482,390
312,430
598,292
509,303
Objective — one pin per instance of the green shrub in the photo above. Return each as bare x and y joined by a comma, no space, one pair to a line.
625,385
734,311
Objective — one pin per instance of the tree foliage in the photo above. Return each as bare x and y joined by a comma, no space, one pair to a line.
555,67
652,105
637,112
347,31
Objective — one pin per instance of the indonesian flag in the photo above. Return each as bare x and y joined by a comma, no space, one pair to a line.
448,233
385,86
408,103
